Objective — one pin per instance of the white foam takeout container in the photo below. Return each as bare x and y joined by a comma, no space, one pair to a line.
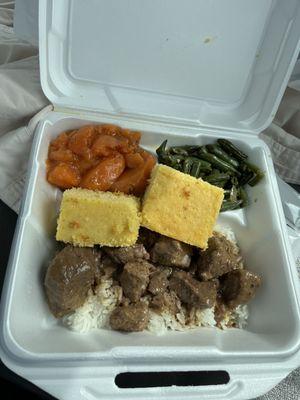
190,72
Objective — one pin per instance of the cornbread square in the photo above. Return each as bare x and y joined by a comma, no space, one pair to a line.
180,206
88,217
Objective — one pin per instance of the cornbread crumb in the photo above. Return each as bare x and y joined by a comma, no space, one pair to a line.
180,206
88,218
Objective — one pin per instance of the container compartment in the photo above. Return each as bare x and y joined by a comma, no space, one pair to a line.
273,327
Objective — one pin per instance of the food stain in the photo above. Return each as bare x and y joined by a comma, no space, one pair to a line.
209,39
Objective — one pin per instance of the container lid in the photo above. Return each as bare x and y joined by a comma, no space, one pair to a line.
215,64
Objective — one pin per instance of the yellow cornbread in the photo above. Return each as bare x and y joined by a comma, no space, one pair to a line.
88,218
180,206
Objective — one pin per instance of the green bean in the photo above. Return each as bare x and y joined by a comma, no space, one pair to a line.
233,194
214,160
161,150
218,176
220,183
187,165
228,205
257,174
246,177
230,148
219,152
178,150
172,161
234,181
217,179
243,196
184,150
204,164
196,169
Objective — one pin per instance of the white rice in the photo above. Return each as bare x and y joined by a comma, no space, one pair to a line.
227,232
95,312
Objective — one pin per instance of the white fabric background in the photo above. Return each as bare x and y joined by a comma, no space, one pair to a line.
23,104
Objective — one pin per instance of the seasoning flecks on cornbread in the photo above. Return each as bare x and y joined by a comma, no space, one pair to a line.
180,206
90,217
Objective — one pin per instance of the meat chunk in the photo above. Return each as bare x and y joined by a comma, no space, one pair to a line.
159,281
171,252
130,318
193,292
69,277
108,268
220,257
134,279
221,309
239,287
166,302
122,255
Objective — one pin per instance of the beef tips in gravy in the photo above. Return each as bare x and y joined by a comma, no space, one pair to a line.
122,255
172,253
220,257
135,278
239,287
130,318
166,302
158,274
108,268
70,276
193,292
159,281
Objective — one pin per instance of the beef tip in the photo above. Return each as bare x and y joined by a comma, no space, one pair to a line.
193,292
172,253
69,277
108,268
221,310
122,255
220,257
148,238
239,287
130,318
159,281
134,279
166,302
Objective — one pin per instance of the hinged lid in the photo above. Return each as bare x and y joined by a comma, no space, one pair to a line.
217,64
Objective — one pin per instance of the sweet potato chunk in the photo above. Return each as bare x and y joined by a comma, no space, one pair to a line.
81,141
134,160
60,142
63,175
105,145
134,181
104,174
64,155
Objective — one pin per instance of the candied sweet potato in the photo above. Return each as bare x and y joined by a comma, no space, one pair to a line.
105,145
134,160
60,142
99,157
81,141
104,174
64,155
134,181
64,175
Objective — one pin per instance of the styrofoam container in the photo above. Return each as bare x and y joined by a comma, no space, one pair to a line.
189,72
